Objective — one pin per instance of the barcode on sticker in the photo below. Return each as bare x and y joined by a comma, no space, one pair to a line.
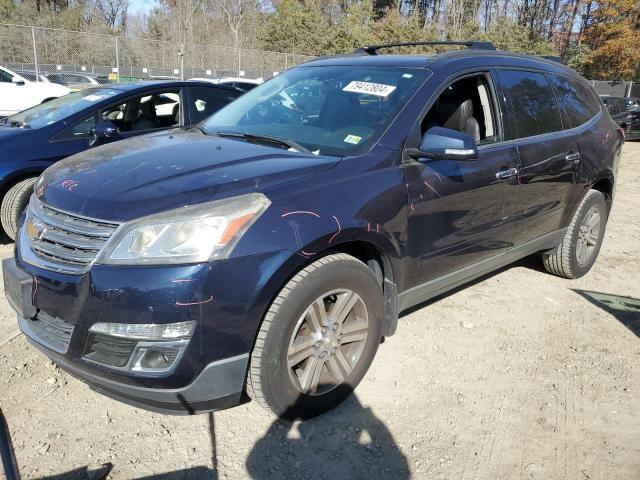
377,89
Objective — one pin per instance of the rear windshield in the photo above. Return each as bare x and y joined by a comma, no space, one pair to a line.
59,108
336,110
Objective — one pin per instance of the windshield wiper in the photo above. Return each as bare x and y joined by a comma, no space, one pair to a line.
252,137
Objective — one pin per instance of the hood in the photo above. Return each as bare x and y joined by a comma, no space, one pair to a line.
158,172
10,132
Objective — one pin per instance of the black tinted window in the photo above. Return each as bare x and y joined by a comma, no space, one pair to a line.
579,102
5,76
207,101
533,102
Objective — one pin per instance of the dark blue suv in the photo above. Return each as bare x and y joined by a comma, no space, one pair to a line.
270,249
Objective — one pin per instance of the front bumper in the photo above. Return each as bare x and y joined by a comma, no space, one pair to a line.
218,386
211,374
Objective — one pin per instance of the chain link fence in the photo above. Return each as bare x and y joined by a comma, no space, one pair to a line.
616,88
81,59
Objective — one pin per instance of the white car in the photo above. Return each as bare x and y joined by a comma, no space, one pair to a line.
241,83
17,93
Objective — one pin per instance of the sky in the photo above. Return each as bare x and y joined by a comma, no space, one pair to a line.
136,6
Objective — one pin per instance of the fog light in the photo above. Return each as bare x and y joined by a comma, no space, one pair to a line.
148,349
146,331
156,357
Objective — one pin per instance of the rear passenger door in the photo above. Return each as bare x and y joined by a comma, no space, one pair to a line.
549,155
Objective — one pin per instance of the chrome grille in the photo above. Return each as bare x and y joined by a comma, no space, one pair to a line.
61,240
47,330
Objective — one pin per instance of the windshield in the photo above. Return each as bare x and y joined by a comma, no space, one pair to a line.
59,108
329,110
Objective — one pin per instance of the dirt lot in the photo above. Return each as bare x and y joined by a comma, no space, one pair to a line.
520,375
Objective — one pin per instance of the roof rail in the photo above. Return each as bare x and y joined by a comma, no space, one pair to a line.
553,58
373,49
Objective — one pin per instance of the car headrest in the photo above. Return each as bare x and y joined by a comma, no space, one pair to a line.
176,112
339,109
148,110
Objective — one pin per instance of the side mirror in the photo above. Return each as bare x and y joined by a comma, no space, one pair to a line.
104,132
445,144
17,80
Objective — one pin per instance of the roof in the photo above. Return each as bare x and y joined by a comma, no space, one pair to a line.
129,86
434,60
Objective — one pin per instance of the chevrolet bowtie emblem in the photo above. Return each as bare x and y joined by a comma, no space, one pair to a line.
34,231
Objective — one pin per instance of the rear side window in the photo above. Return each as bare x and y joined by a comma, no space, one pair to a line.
207,101
579,102
534,102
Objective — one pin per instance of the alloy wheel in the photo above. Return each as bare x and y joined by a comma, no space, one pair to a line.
327,342
588,236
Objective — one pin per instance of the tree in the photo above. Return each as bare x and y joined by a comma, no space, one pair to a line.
297,27
112,12
614,36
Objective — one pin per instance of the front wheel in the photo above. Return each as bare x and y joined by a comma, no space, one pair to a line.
581,244
13,204
318,338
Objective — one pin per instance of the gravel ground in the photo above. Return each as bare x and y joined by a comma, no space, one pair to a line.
519,375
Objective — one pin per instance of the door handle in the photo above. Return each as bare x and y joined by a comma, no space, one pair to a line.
509,172
573,157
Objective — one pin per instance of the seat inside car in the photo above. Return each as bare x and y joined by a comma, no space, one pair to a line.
340,110
147,118
459,107
462,118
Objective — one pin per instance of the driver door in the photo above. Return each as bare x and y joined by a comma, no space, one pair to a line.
459,210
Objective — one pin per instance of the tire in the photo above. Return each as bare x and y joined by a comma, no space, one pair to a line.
13,204
572,258
287,391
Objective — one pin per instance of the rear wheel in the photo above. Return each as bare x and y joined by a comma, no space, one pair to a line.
13,204
581,244
318,338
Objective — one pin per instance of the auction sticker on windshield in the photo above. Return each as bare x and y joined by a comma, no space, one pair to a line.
377,89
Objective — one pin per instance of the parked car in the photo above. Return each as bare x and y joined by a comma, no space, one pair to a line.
617,107
241,83
632,102
269,250
17,93
72,80
633,132
32,140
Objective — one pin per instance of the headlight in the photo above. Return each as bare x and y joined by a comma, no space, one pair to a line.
186,235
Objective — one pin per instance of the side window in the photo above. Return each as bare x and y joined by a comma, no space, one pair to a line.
207,101
82,129
578,100
56,78
466,106
5,76
534,102
145,112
